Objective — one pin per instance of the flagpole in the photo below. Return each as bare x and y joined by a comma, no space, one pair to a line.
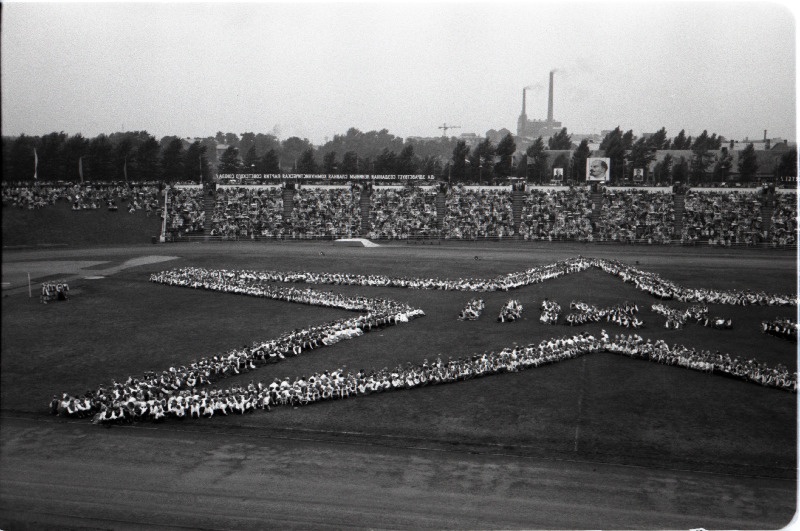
35,165
29,286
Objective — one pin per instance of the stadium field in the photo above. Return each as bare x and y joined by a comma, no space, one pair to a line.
598,441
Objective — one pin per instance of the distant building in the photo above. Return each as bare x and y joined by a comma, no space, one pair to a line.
529,130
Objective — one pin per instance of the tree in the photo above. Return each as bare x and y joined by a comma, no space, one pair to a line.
458,171
505,153
20,164
51,157
385,163
229,161
748,163
269,163
482,160
560,141
722,166
787,166
146,165
681,142
74,148
614,147
349,163
99,162
250,159
537,161
680,171
407,162
195,163
122,157
172,161
641,155
292,148
232,139
306,163
663,170
329,163
658,140
247,141
579,158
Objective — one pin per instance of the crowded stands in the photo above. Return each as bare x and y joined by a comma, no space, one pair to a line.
557,215
723,218
400,213
326,212
635,216
246,213
784,220
477,213
717,218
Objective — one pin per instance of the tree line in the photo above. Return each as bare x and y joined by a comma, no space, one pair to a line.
138,156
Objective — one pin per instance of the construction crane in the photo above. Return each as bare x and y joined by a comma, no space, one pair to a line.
444,127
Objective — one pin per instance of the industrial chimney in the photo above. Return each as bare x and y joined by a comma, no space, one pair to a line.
523,102
550,101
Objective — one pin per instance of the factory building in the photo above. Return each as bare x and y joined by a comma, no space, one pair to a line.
530,130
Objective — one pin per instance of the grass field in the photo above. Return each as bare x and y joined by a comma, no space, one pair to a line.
601,407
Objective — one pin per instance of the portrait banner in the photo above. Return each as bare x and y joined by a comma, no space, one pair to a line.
598,169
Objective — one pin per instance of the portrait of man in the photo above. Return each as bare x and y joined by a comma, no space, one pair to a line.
638,175
558,174
597,169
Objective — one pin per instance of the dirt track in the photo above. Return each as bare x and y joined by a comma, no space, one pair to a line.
72,474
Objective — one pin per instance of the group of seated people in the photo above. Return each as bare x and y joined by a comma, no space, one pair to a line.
636,216
146,399
550,311
511,311
723,218
329,212
697,313
710,217
783,328
549,215
82,196
478,213
246,213
472,311
661,288
400,213
185,210
621,314
54,291
784,220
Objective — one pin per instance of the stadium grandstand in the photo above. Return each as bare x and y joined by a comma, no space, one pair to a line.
724,217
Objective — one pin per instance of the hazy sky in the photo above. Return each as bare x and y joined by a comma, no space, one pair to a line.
315,70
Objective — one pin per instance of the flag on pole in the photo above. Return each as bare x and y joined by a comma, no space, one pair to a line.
80,168
35,164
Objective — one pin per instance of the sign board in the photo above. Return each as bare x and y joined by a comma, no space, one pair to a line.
638,175
558,174
598,169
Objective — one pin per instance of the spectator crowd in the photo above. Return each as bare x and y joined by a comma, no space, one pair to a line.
718,218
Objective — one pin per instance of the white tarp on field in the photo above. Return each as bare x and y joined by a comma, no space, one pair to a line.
355,242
